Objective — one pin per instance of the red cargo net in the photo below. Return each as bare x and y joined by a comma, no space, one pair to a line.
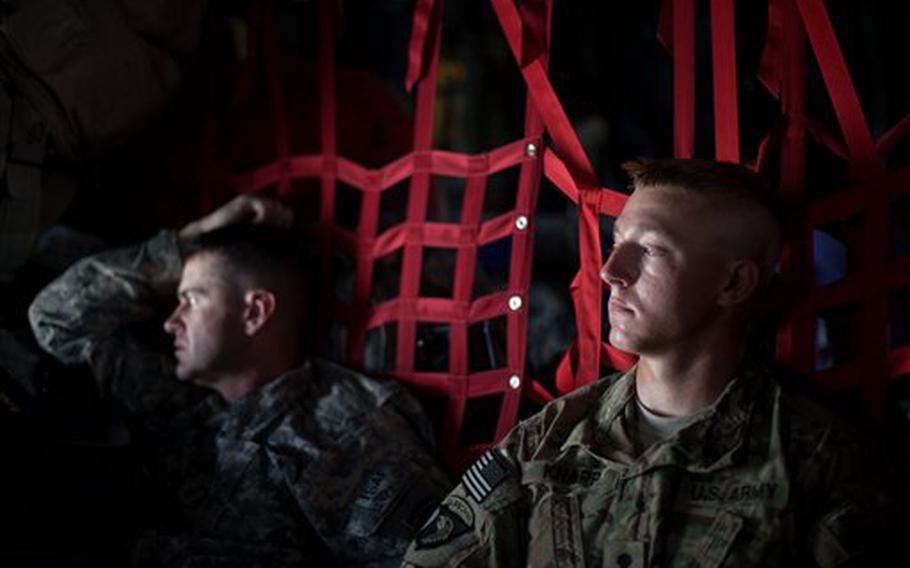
566,165
408,310
866,289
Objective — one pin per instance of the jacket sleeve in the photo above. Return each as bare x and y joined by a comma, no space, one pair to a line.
365,477
80,318
482,522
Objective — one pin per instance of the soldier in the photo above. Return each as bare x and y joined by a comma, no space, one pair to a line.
696,456
258,457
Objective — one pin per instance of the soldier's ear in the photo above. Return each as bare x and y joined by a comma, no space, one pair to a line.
743,276
258,308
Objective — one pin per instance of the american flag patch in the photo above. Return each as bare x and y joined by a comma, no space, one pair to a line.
484,476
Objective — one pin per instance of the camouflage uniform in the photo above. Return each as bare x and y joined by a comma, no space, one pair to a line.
322,465
758,479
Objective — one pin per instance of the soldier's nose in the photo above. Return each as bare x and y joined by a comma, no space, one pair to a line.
170,324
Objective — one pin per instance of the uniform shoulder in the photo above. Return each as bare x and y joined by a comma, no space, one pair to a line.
584,398
558,418
350,391
390,404
323,402
814,421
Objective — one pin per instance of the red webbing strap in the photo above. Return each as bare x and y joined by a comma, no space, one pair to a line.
824,136
461,310
573,178
536,16
588,297
613,358
864,164
680,41
555,170
545,100
726,108
840,87
893,136
796,337
536,392
820,133
683,78
676,31
588,294
466,266
459,313
409,283
533,30
770,68
835,207
418,193
869,197
611,202
770,142
418,45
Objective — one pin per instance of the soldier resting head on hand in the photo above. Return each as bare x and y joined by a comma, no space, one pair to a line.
256,455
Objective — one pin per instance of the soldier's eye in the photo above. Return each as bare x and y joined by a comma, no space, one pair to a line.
652,250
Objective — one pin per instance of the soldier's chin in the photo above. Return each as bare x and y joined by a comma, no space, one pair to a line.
623,341
183,373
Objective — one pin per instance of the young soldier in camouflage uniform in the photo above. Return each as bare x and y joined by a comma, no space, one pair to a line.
258,457
695,457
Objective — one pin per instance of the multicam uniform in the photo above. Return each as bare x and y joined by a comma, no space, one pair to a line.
758,479
322,466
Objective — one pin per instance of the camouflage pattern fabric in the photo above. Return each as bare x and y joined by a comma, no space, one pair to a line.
761,478
322,466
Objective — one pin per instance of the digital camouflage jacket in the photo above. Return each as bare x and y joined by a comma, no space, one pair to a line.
761,478
323,466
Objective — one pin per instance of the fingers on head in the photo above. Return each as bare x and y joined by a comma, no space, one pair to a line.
260,209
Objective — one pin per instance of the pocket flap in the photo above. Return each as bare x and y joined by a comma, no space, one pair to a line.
720,536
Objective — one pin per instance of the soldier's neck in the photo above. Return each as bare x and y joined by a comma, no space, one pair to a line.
236,385
681,384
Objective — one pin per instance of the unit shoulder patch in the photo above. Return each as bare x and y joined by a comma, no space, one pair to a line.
453,519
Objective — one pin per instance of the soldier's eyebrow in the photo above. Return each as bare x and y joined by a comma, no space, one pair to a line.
644,229
181,292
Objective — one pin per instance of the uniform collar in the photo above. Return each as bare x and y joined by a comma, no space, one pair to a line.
708,443
712,441
257,410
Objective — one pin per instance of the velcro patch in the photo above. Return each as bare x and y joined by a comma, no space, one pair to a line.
485,475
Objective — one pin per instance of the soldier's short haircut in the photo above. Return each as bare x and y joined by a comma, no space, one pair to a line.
724,182
707,177
269,256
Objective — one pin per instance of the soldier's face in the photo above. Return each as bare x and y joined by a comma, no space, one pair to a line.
664,271
207,323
